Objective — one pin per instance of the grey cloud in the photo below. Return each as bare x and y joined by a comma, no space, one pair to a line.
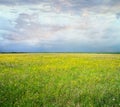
64,2
20,2
27,27
114,2
118,15
75,4
68,6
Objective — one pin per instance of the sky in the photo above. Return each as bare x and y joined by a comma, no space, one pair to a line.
59,25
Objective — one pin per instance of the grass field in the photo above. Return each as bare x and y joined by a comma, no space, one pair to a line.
59,80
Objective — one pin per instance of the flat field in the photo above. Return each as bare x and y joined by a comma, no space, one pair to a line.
59,80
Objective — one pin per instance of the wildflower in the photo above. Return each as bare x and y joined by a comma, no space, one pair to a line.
113,99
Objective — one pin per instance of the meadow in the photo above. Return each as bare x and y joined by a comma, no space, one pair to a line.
59,80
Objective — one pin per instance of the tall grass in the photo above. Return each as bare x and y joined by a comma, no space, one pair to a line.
59,80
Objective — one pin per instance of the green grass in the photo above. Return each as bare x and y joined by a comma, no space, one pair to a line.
59,80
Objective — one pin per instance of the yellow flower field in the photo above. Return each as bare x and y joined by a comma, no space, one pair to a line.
59,80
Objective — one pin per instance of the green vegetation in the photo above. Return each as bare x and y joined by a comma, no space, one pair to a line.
59,80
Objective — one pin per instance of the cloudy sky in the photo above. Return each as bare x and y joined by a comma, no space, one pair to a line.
59,25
